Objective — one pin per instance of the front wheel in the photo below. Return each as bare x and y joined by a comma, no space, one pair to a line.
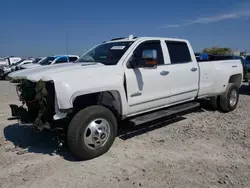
229,100
92,132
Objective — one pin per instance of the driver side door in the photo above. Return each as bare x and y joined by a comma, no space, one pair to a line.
147,87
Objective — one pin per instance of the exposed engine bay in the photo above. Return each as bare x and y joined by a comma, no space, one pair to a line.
38,103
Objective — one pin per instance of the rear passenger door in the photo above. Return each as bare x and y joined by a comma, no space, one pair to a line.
183,77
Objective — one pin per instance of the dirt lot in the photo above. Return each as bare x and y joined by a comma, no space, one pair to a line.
199,149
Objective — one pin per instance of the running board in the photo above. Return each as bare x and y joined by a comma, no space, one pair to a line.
163,113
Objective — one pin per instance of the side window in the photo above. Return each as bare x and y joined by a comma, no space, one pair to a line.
72,59
149,49
178,52
61,60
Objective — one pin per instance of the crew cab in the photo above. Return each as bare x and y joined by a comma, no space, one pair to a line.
137,79
51,60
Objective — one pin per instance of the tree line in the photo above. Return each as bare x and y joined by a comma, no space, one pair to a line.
217,51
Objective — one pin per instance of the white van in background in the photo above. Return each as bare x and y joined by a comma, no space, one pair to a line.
12,60
2,62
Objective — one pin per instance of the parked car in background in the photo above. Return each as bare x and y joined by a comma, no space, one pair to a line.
141,79
8,61
4,71
247,61
16,66
37,60
2,62
51,60
27,61
6,66
13,60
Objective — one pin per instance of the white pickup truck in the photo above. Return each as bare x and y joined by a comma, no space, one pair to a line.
139,79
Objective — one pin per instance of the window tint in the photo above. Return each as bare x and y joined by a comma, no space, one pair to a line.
178,52
148,47
106,53
72,59
62,60
47,61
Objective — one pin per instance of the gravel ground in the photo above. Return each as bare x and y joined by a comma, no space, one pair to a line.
199,149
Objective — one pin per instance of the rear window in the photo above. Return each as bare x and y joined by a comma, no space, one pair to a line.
47,61
61,60
178,52
72,59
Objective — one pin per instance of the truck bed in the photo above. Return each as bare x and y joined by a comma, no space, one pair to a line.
214,75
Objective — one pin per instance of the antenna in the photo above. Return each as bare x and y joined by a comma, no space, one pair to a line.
66,40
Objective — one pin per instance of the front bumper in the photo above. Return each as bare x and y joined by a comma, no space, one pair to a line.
38,104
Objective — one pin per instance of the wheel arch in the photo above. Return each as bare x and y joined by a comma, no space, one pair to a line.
110,99
236,79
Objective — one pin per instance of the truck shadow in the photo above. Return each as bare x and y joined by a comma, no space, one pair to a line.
128,130
29,140
26,138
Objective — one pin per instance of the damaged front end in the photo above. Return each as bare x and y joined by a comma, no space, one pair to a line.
38,103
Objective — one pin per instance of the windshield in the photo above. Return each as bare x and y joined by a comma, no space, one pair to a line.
107,53
248,58
36,60
47,61
17,63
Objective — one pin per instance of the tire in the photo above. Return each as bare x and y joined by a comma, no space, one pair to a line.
80,128
224,100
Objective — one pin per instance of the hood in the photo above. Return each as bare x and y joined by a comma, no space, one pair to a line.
53,72
30,65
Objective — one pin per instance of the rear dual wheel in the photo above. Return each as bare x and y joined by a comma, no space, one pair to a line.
229,100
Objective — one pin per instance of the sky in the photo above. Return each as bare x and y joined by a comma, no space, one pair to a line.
38,28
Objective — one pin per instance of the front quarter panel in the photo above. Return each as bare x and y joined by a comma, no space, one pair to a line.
79,84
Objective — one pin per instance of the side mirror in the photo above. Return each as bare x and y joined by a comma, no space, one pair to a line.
148,59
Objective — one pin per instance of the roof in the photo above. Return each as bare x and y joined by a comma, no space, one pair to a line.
56,56
132,38
146,38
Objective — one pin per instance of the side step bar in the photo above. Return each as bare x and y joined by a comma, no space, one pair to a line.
163,113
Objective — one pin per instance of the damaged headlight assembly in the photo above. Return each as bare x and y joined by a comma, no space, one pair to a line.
37,103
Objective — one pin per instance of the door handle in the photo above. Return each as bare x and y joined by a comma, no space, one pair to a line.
164,73
194,69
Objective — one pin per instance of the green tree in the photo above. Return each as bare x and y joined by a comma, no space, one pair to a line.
217,51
